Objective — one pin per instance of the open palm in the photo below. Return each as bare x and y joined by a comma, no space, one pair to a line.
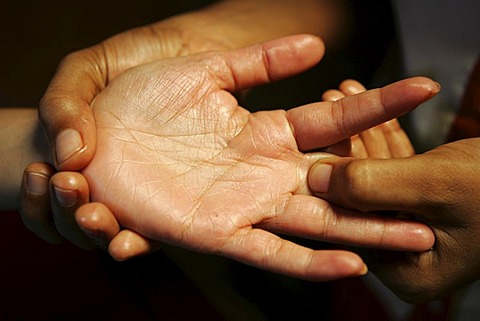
179,161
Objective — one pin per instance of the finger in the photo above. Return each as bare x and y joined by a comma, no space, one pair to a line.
267,251
398,142
101,226
344,147
332,95
399,184
263,63
322,124
371,142
354,146
128,244
357,148
96,223
35,208
351,87
375,143
384,141
311,217
69,190
65,110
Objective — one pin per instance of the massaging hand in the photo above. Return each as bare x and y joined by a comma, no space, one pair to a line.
439,188
180,162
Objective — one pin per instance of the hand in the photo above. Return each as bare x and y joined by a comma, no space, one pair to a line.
165,167
224,25
65,108
438,188
103,231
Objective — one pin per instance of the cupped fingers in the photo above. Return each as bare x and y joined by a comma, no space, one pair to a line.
35,209
101,226
69,191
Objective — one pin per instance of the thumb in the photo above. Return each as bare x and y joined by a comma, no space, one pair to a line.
398,184
65,111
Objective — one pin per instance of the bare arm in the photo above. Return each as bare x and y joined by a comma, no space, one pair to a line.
241,23
23,142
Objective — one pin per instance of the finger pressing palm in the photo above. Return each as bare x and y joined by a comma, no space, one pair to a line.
179,161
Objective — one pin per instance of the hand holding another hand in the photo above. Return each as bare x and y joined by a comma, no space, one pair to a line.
438,188
180,162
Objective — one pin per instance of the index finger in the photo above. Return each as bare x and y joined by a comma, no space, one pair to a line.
323,124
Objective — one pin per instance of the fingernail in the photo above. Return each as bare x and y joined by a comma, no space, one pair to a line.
66,198
37,183
364,270
319,178
68,143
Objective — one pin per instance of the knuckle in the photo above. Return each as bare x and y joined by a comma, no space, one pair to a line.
358,187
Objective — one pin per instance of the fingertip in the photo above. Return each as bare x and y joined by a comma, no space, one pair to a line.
70,127
93,227
332,95
341,264
319,177
351,265
36,177
405,95
426,83
351,87
422,238
128,244
319,174
35,210
299,51
69,188
73,150
96,220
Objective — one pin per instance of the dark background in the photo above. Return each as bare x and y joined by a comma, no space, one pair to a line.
39,281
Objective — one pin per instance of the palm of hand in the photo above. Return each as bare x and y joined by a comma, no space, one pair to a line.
179,161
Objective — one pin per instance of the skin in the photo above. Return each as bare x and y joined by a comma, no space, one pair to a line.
83,74
66,114
438,188
387,140
150,147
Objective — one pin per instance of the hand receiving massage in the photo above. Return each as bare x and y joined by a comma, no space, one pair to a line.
178,161
438,187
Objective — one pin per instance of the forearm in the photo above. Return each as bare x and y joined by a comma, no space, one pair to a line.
243,22
23,142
